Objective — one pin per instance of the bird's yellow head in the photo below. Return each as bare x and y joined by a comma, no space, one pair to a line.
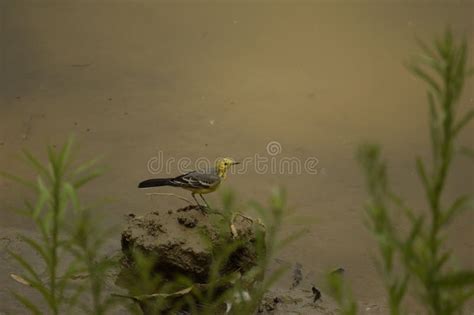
223,165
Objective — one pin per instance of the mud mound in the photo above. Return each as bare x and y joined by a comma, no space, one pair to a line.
184,241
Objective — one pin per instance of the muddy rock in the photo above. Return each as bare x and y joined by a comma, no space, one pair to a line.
183,241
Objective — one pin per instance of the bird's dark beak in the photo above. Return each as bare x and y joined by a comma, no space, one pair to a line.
235,163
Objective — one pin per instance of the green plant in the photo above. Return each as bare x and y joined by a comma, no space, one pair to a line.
341,293
56,188
420,258
86,244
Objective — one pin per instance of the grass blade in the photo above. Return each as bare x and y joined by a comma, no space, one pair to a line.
464,121
27,303
37,165
36,246
19,180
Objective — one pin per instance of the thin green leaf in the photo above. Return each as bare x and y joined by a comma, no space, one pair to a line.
444,46
38,286
36,246
427,78
39,221
417,225
65,153
85,179
53,160
463,122
460,66
40,168
458,279
47,221
19,180
420,167
86,166
426,49
434,129
27,303
443,260
465,202
402,288
26,265
71,193
469,152
432,63
43,197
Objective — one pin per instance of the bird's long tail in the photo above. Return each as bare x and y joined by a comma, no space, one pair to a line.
155,182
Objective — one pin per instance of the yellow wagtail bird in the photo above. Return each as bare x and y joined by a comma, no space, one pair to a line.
198,182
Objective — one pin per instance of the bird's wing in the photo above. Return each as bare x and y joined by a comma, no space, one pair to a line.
196,180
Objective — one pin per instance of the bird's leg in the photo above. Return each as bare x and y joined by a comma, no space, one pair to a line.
202,197
201,208
195,199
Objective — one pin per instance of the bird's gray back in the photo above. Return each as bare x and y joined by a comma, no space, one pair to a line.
198,179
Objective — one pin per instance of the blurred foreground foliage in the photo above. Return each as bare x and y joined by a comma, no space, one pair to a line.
70,240
419,259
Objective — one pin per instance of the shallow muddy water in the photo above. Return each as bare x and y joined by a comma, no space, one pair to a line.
146,82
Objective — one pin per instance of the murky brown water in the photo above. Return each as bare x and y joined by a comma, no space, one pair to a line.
195,79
